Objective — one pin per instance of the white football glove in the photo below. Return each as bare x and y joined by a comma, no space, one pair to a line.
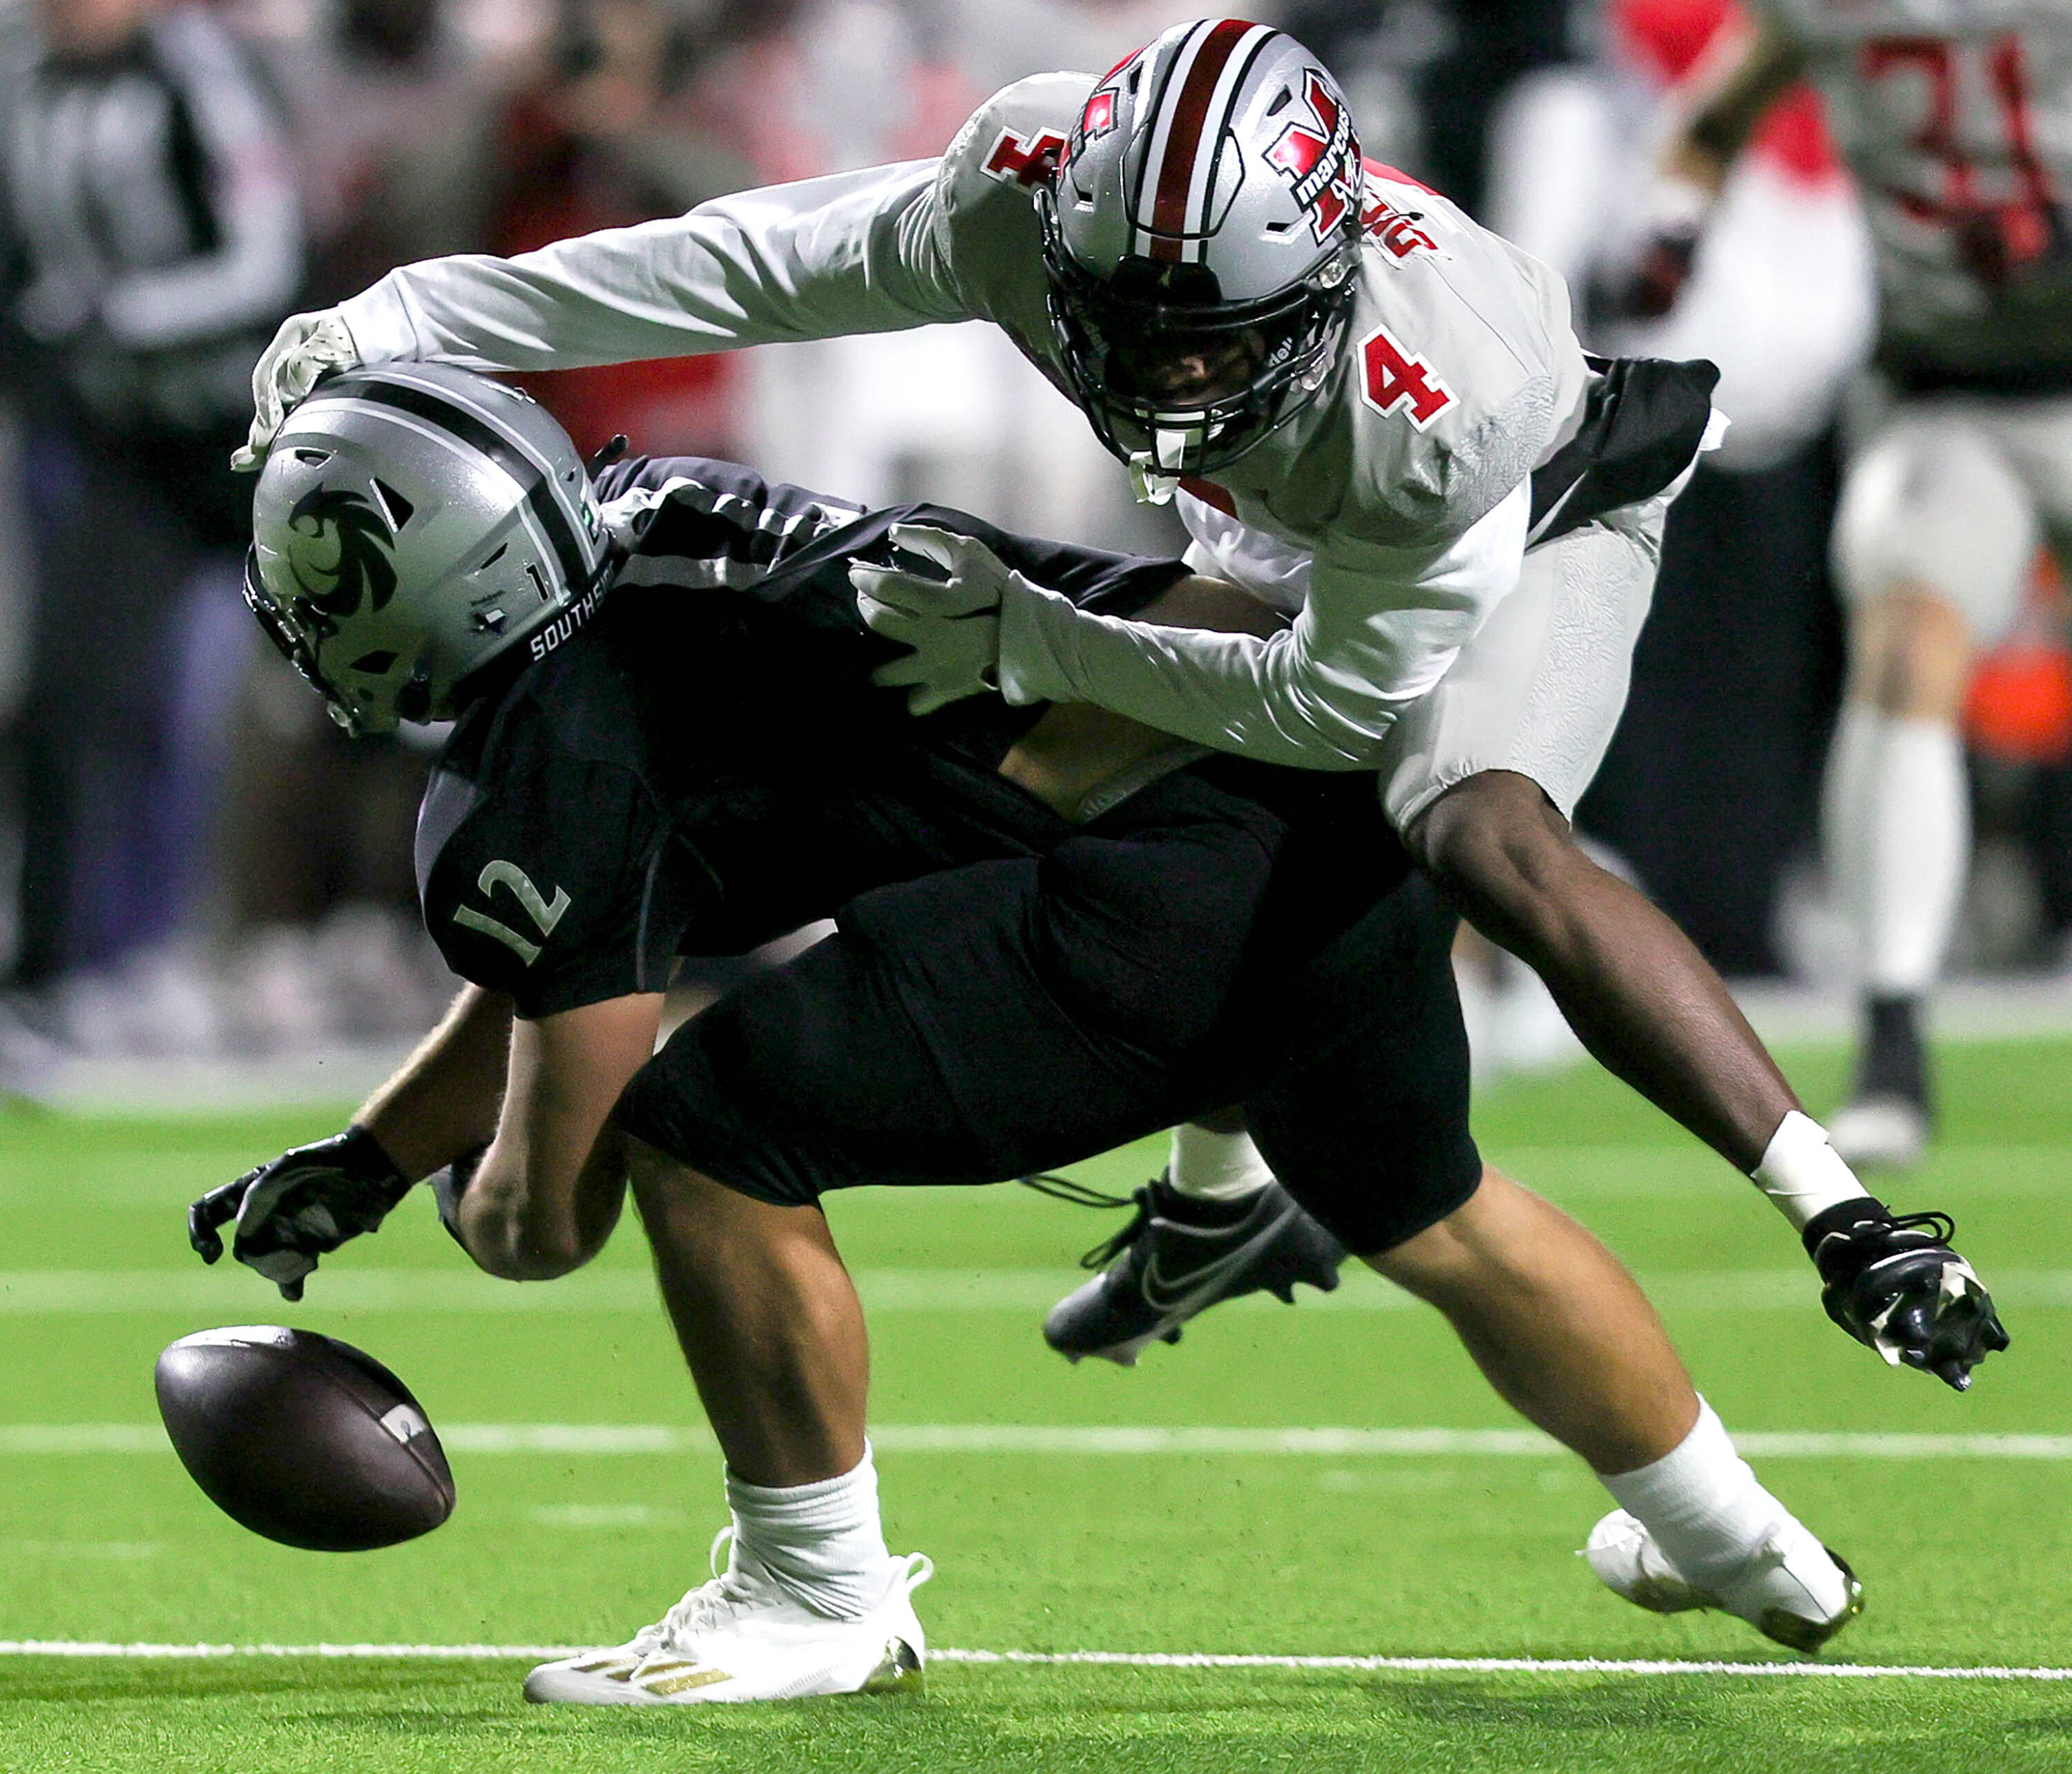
307,347
953,624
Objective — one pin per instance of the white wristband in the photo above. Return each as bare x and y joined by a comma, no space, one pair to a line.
1802,1173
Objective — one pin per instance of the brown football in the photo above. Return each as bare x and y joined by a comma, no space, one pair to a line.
303,1438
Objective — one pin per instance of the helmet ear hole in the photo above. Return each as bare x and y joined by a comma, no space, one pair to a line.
399,509
413,701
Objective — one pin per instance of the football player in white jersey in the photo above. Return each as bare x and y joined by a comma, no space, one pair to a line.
1955,117
1375,415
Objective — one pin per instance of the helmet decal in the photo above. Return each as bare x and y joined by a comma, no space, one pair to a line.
1321,162
1188,118
340,550
1098,118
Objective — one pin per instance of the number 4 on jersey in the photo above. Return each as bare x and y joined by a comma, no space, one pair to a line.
1392,378
545,914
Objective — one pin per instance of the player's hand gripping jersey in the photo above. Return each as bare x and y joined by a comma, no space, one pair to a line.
1955,117
1393,510
698,762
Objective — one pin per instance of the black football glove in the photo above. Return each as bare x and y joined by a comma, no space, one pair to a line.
303,1206
1895,1284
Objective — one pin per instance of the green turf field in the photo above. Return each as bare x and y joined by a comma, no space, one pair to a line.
588,1491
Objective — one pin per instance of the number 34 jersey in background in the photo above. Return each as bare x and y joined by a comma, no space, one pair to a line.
1955,116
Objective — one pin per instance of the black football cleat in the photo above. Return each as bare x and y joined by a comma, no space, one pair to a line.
1179,1256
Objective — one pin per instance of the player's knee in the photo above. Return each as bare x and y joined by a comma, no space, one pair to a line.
1498,847
1913,649
1448,1260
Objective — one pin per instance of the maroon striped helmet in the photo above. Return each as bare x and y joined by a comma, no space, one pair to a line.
1200,243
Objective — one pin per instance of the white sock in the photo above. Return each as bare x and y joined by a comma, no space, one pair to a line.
1919,831
821,1541
1701,1503
1846,797
1209,1166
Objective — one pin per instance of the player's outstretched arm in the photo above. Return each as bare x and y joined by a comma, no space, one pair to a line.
441,1103
855,253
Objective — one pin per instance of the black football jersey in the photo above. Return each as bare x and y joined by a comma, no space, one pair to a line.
694,760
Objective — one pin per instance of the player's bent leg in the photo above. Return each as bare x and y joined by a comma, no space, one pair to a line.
810,1601
1633,986
1566,1336
1554,1321
1479,777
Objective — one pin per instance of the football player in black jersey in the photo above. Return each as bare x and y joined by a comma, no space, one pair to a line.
1055,932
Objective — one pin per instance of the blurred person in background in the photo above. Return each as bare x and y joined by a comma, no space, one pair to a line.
394,106
154,238
313,934
1711,790
1960,135
632,116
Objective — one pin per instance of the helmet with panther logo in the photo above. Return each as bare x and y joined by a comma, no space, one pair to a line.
414,523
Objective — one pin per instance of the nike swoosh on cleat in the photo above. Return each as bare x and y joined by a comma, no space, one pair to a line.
1169,1299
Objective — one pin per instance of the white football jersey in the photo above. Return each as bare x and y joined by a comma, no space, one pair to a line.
1955,117
1405,482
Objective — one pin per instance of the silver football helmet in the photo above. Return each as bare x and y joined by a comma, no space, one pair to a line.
1201,243
412,523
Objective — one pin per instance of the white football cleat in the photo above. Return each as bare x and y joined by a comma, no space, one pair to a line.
1792,1589
1879,1134
742,1636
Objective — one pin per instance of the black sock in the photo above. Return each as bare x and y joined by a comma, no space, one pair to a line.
1894,1061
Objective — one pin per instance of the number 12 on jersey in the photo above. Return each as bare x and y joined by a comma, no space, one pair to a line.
544,913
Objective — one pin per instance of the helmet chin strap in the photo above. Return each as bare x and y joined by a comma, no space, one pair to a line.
1150,486
1154,473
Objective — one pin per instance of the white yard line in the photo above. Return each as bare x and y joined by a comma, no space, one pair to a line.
237,1295
1079,1439
1140,1659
